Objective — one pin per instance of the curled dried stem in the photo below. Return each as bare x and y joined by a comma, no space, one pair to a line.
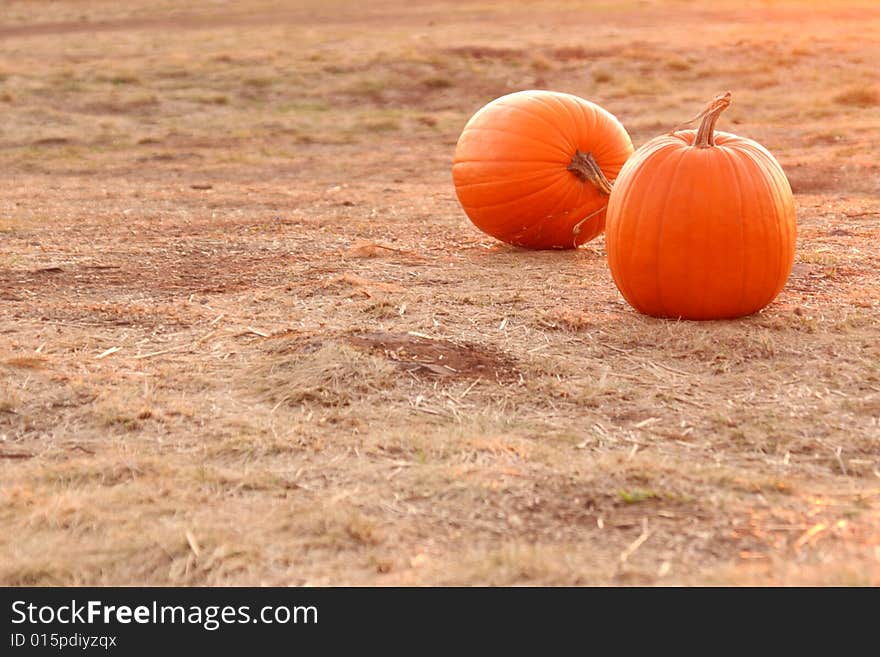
709,117
585,167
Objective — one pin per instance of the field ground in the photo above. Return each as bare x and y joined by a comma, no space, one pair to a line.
247,335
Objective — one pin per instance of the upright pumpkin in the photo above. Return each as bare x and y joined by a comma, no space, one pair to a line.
701,224
532,168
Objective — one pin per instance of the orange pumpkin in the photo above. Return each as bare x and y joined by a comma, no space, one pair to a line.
701,224
532,168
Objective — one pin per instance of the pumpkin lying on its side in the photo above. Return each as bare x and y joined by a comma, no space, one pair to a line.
532,168
701,224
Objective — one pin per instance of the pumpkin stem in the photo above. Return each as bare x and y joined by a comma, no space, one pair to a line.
584,166
706,134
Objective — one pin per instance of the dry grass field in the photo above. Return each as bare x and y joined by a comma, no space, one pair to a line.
248,336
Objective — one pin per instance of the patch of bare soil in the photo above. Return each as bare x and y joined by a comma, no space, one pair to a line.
834,178
425,356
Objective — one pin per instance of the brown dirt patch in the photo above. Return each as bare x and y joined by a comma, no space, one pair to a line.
431,357
818,178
